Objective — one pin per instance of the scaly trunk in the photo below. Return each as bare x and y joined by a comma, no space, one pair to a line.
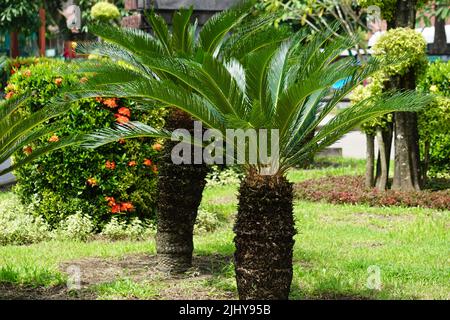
426,161
264,238
180,193
370,160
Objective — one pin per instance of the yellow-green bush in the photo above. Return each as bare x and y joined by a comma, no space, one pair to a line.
104,11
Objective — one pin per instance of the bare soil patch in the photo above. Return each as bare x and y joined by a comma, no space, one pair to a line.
138,268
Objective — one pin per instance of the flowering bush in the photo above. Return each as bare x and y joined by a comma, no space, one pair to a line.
117,179
351,190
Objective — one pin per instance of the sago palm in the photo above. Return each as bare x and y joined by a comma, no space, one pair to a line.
18,132
279,87
180,186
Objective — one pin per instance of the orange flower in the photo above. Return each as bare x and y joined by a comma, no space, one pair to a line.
126,206
121,119
58,81
155,169
157,147
132,163
83,80
92,182
53,138
28,150
147,162
9,95
115,208
99,99
111,201
125,112
110,103
122,141
111,165
27,73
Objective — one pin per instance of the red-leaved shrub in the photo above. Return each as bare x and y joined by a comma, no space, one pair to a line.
351,190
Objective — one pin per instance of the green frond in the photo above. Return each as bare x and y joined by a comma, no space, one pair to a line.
180,30
218,26
129,130
134,40
65,142
160,30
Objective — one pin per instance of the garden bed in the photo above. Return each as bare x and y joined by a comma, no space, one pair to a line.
351,190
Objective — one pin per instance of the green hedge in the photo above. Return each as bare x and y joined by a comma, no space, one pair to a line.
434,121
118,179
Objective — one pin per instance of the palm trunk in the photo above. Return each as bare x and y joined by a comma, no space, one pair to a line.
180,193
264,238
370,160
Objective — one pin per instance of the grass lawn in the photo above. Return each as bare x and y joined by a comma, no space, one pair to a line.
339,251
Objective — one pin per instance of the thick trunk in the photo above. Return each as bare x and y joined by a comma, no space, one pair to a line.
383,160
264,238
440,38
14,44
370,160
180,193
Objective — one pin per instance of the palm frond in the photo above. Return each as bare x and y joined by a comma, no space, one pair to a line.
180,29
134,40
65,142
217,27
128,130
161,30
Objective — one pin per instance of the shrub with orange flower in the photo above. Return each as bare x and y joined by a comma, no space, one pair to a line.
121,119
27,73
110,103
157,147
111,201
126,206
132,163
155,169
53,138
122,141
83,80
125,112
99,99
147,162
58,81
27,150
111,165
116,208
9,95
92,182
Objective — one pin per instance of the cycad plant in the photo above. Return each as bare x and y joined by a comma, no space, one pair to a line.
18,132
180,186
280,87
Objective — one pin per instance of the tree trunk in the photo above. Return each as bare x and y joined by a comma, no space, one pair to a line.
440,38
180,193
370,160
407,169
264,238
385,159
14,39
384,169
426,161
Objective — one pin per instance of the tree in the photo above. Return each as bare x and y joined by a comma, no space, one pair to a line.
439,9
275,87
180,186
